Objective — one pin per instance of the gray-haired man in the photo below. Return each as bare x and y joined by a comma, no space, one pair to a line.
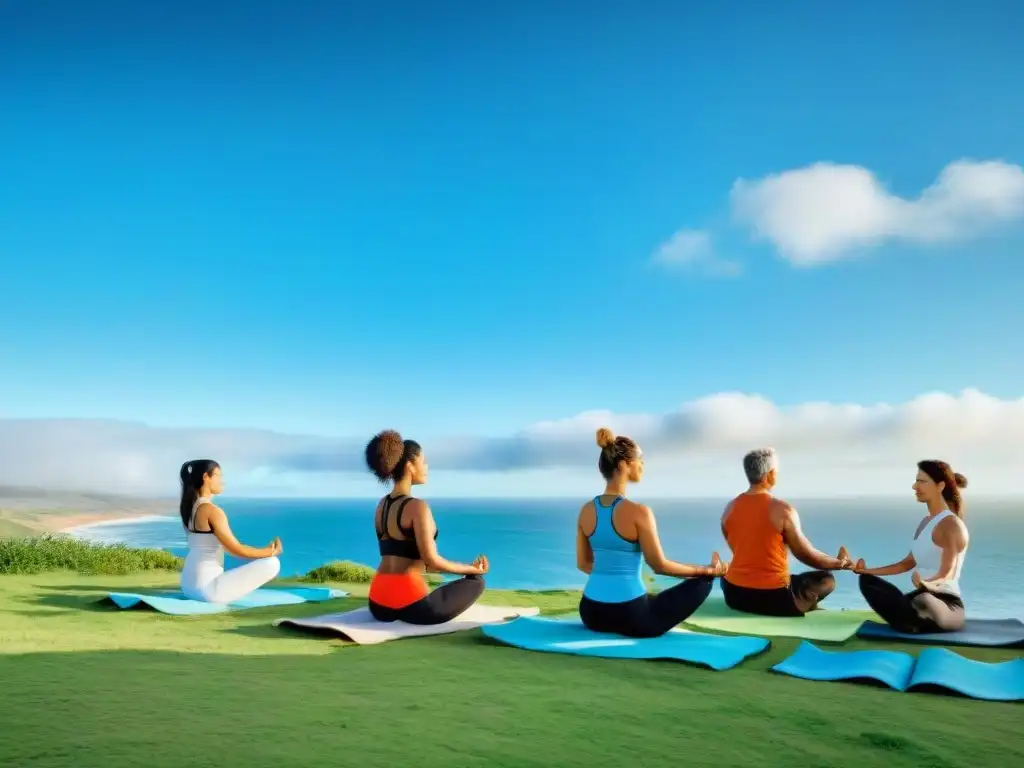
762,530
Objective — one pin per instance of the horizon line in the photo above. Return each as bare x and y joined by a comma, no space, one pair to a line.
811,497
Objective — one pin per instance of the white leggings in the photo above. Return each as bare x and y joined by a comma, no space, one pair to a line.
228,586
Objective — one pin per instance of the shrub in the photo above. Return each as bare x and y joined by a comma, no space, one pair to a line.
38,554
343,571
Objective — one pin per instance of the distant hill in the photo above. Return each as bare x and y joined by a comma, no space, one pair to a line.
24,509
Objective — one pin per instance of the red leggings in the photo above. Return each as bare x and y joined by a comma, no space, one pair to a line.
437,607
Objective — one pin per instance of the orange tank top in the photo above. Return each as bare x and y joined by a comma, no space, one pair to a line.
760,558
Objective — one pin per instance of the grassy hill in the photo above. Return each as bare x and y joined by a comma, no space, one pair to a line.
85,685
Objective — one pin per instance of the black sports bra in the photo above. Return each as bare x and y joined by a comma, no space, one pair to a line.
406,547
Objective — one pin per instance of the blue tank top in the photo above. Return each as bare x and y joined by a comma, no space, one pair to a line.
616,575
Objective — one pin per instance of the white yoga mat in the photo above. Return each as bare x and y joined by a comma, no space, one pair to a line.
360,627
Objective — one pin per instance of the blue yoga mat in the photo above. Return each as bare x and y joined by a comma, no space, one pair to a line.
177,604
935,667
993,633
571,637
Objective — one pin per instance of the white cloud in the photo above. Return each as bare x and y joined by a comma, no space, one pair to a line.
826,212
693,249
826,448
127,457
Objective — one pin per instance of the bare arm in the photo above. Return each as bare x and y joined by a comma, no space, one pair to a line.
908,563
218,522
425,527
801,548
725,514
650,544
584,552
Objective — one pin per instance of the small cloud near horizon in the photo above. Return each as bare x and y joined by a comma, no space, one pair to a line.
831,448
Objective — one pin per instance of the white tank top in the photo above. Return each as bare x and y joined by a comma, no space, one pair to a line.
929,556
203,547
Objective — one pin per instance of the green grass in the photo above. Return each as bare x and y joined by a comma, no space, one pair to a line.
39,554
85,685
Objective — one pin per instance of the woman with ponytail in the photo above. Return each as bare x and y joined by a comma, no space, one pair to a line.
406,536
614,536
209,535
936,558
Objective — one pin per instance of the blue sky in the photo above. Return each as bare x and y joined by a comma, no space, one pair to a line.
329,218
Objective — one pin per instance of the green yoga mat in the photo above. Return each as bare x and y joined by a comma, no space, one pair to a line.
824,625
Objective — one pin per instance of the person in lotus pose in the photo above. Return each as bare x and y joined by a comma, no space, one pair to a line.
209,535
613,537
406,536
762,530
936,558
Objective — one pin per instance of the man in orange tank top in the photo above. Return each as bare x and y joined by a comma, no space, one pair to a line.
762,530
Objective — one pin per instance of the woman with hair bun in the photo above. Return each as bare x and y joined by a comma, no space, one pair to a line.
406,535
936,557
613,538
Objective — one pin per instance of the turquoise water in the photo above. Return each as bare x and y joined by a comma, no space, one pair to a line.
531,544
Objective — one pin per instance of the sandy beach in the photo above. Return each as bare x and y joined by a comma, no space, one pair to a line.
67,523
34,510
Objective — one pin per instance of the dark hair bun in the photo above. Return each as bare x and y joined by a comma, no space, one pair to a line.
961,481
605,437
384,452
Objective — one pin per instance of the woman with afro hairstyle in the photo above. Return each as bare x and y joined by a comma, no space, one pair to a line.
406,535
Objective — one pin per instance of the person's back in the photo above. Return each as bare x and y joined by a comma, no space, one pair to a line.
406,538
760,557
761,530
209,535
614,536
616,575
205,558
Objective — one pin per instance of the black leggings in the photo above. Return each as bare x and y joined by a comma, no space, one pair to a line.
440,606
647,615
803,594
914,613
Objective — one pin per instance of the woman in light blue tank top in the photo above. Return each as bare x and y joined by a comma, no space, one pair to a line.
614,536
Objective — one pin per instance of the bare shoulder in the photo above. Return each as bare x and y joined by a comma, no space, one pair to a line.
636,510
417,506
782,512
211,513
952,528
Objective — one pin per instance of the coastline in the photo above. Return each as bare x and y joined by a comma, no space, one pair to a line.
72,523
36,511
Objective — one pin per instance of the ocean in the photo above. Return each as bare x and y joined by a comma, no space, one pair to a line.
531,544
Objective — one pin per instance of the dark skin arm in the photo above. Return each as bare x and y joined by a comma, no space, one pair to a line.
425,527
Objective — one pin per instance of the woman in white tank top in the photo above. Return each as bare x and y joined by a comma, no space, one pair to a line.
936,558
209,535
